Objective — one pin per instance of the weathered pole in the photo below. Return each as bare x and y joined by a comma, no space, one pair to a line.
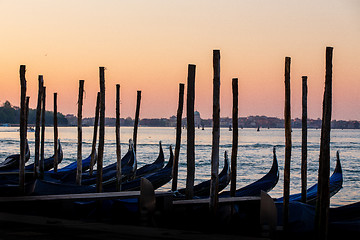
214,181
323,200
56,156
118,147
178,137
235,135
304,140
96,123
101,130
22,128
287,115
190,150
27,100
37,126
136,122
79,130
42,144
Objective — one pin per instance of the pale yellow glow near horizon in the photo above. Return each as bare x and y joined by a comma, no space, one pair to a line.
147,45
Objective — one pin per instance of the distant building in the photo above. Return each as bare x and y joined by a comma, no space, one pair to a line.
173,120
197,119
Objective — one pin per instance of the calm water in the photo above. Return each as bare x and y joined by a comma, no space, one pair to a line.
254,153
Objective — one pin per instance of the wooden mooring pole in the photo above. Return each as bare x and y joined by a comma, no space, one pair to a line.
79,130
22,128
323,200
117,132
56,135
214,182
190,150
37,126
304,140
178,137
287,115
27,100
101,130
136,122
42,144
235,135
96,123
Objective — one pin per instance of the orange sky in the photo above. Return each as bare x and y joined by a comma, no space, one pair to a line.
147,45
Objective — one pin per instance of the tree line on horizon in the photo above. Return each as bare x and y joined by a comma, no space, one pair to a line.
11,115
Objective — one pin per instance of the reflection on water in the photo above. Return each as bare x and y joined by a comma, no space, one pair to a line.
254,153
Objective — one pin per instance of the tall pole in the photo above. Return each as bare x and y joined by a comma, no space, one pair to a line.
37,127
178,137
118,147
79,130
235,136
214,182
22,128
96,123
27,99
42,144
190,150
101,129
56,156
136,122
323,200
304,140
287,114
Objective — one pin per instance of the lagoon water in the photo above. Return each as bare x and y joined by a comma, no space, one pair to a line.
254,153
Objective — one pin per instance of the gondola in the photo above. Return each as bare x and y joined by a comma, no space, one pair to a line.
343,219
266,183
42,187
203,189
71,168
335,184
11,176
128,169
48,162
158,179
152,167
13,161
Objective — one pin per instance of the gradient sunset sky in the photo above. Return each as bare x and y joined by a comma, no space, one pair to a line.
147,46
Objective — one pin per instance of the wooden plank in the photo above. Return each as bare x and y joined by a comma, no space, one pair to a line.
221,200
287,115
214,181
16,173
82,196
178,137
190,149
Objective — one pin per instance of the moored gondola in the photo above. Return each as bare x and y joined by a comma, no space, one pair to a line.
203,189
49,162
157,179
335,184
13,161
266,183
